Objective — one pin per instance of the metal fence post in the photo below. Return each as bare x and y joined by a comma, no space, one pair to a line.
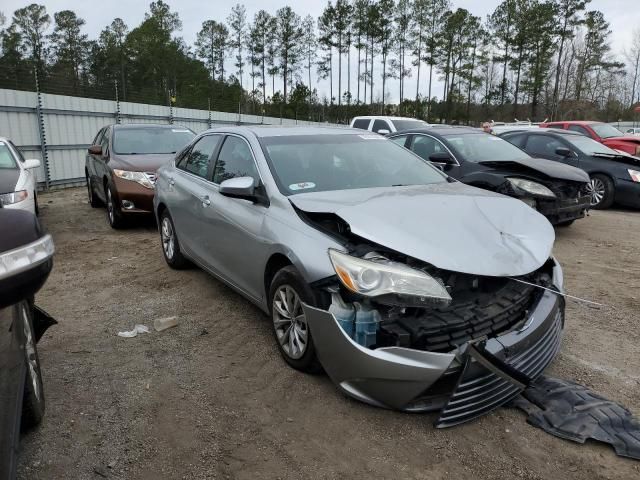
118,121
42,133
209,113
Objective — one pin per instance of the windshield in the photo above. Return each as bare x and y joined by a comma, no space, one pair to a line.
146,140
409,124
6,157
481,147
589,146
320,163
604,130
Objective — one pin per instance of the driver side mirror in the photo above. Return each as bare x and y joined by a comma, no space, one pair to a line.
239,187
443,158
95,149
384,131
563,152
31,163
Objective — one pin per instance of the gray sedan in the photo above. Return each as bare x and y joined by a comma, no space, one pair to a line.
411,290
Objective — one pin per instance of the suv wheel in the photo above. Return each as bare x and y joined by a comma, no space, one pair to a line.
114,216
33,401
93,200
287,292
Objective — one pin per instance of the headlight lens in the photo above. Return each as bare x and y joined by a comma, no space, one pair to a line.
635,175
22,258
138,177
379,276
532,187
13,197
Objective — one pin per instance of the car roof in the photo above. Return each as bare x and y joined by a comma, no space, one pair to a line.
443,130
574,122
385,117
537,131
262,131
126,126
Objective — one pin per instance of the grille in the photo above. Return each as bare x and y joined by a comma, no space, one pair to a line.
476,396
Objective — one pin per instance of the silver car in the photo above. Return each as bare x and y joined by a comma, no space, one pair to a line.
411,290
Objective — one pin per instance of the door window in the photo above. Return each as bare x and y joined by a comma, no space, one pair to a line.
579,129
234,160
400,140
98,139
380,125
517,139
104,142
544,146
199,159
362,123
425,146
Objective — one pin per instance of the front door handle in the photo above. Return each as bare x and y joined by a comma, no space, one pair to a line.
205,201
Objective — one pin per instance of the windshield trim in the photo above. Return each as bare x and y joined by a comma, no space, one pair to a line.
284,191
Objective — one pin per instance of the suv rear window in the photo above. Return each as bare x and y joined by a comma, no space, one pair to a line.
362,123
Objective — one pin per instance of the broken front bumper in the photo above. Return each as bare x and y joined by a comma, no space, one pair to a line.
564,210
412,380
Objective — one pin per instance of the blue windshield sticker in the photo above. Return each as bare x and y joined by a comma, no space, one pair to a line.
302,186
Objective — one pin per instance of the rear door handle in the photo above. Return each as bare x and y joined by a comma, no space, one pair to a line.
205,201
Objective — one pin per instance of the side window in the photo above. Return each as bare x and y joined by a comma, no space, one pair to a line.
98,139
425,146
380,125
104,141
400,140
17,151
234,160
544,146
362,123
199,159
579,129
518,139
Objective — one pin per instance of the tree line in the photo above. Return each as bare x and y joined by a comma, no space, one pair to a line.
528,59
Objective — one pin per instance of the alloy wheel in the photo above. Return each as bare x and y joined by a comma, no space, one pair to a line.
290,322
168,238
110,208
31,356
597,190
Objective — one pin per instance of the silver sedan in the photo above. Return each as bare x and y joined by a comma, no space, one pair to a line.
411,290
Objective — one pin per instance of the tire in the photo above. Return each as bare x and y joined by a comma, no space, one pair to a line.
565,224
297,350
602,191
114,215
36,208
33,403
170,244
93,200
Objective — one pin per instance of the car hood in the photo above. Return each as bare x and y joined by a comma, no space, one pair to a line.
9,179
451,226
549,168
141,162
626,138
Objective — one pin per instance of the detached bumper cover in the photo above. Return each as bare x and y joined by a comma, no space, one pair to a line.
564,210
401,378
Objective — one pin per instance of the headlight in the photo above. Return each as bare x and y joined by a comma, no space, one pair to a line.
22,258
138,177
635,175
13,197
531,187
379,277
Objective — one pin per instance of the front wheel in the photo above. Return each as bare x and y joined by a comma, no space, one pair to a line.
114,216
33,401
170,245
93,200
287,293
602,191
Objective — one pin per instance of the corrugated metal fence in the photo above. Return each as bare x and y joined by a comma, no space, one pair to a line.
57,129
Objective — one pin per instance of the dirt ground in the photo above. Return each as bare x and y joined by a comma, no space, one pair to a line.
212,398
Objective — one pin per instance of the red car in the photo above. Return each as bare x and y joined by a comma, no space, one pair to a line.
601,132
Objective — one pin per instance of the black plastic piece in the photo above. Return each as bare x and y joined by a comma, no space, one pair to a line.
573,412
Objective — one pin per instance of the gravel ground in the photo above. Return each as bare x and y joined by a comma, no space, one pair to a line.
212,398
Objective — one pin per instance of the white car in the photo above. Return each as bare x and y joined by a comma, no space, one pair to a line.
384,125
633,131
18,182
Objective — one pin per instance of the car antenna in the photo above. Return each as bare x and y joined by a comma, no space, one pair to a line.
566,295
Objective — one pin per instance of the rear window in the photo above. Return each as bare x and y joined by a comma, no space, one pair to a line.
6,157
146,140
409,124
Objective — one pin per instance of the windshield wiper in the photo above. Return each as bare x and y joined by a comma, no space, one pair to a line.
607,155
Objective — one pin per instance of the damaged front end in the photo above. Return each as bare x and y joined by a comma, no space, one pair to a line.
409,336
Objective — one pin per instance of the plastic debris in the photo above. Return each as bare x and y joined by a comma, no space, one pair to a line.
134,333
161,324
571,411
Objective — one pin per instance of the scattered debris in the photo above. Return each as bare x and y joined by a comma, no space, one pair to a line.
571,411
100,471
204,332
134,333
161,324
